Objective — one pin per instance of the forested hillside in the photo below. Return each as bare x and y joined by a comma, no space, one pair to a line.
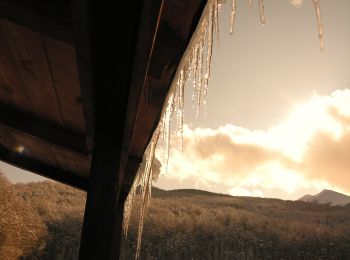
181,224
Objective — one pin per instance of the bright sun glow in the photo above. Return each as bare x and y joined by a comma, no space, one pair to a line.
281,158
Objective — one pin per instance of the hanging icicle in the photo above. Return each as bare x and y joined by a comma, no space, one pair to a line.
319,22
297,3
233,15
168,114
194,67
146,188
250,3
262,11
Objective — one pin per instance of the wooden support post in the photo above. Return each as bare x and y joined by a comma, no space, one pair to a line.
113,37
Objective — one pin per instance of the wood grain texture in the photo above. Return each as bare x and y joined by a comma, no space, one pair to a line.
31,60
62,60
42,152
72,162
12,89
48,17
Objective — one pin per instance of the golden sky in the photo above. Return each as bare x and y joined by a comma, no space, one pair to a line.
278,112
306,152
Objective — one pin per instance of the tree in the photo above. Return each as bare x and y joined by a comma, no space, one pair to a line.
21,229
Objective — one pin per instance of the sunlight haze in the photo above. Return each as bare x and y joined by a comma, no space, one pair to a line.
277,118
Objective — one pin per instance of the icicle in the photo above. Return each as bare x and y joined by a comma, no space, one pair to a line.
146,188
128,209
216,19
319,22
195,64
262,12
180,107
210,34
233,15
195,74
200,74
297,3
167,123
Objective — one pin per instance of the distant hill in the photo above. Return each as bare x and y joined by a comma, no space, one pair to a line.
156,192
179,224
328,197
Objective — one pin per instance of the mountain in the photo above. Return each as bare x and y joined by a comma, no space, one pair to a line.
328,197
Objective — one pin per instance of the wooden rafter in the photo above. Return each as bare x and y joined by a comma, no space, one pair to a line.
42,169
44,131
51,18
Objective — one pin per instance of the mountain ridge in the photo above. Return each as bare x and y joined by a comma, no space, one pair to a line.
331,197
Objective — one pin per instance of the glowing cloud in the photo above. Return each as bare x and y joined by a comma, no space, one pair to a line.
309,150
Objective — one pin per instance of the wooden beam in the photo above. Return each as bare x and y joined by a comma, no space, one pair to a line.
51,18
131,169
112,50
42,169
151,16
81,25
36,128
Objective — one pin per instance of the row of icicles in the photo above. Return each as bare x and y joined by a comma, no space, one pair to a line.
195,67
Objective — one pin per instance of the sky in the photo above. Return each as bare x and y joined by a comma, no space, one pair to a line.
277,122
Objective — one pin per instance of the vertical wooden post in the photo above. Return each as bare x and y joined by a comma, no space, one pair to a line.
112,37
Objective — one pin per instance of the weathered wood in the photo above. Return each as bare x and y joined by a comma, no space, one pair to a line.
12,89
51,18
44,153
65,76
81,25
31,59
131,169
151,15
43,169
113,55
77,164
173,37
35,149
44,131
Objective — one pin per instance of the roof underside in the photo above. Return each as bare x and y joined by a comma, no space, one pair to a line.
47,113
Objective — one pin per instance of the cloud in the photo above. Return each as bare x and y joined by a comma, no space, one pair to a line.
329,159
228,157
245,192
308,151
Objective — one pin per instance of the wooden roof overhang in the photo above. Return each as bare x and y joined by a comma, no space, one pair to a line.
47,91
81,92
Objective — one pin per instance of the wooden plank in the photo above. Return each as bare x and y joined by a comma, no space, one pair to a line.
45,153
22,145
81,25
31,61
65,76
35,149
172,40
12,90
42,169
44,131
151,16
7,140
77,164
47,17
